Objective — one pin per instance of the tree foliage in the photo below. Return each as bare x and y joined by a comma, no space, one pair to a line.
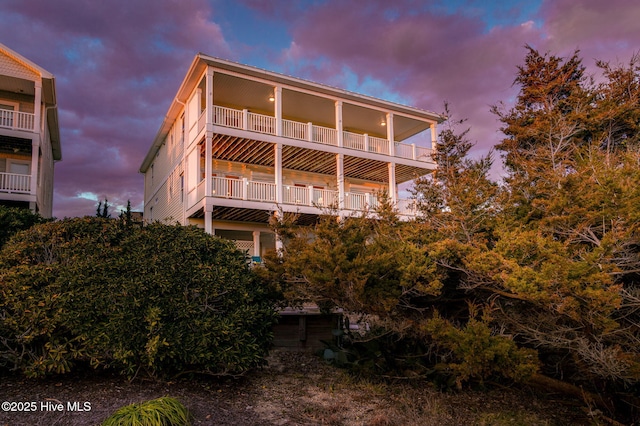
13,220
161,299
547,262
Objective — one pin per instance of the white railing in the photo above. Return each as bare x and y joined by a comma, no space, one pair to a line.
13,182
423,154
325,135
227,117
407,207
357,201
244,189
403,150
378,145
295,130
262,123
17,120
296,195
261,191
227,188
324,197
353,141
242,119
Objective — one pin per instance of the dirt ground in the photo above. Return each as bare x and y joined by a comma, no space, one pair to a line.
295,389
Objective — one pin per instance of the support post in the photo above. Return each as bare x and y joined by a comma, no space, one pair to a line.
278,172
256,243
391,135
35,163
277,95
339,126
393,188
434,136
340,180
37,108
209,96
208,219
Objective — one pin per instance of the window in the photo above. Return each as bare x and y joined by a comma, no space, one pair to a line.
19,167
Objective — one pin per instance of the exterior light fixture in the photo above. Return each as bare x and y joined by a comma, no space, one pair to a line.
272,98
383,123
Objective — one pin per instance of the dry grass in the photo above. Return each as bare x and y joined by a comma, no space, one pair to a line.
295,389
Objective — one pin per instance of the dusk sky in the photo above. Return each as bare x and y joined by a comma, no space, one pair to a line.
118,63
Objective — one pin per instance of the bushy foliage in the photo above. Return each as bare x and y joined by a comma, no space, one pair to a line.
551,256
161,299
13,220
165,411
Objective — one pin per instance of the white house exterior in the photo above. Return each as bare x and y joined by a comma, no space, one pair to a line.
29,133
240,143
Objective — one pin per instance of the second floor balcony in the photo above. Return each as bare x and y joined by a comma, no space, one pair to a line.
16,120
243,189
15,183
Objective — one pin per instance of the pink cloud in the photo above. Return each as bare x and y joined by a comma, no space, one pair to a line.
118,65
429,57
426,57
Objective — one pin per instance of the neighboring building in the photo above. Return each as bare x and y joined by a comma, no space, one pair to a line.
240,143
29,133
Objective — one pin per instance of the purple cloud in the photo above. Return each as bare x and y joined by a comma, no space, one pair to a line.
119,63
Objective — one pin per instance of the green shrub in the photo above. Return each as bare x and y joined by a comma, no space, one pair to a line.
164,299
14,219
164,411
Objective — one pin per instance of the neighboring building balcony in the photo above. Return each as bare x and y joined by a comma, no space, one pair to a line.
16,120
15,183
309,132
293,197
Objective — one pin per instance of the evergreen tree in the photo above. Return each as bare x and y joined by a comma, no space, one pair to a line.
103,209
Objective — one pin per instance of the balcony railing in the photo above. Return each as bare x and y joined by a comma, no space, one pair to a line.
245,189
15,183
16,120
244,120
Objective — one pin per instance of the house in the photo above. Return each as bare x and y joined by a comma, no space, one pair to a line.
29,133
240,143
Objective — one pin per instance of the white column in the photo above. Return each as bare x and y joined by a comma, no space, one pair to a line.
208,220
278,172
277,95
209,96
434,136
208,166
340,180
393,188
37,107
256,243
390,135
339,126
35,156
279,244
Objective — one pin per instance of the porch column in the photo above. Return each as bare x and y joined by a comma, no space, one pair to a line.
209,96
208,219
278,172
277,95
434,136
208,167
391,135
340,180
279,243
256,243
35,157
393,189
37,107
339,123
